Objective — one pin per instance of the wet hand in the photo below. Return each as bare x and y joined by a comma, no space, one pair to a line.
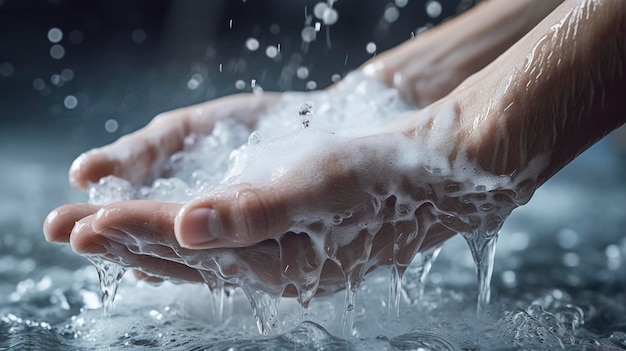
139,156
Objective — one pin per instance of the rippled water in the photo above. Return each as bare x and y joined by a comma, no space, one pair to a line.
559,281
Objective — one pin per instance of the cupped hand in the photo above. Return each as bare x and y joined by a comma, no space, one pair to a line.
139,157
348,207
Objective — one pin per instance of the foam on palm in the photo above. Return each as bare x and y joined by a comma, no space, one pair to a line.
299,133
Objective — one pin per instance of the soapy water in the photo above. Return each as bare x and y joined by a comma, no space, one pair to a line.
357,107
544,298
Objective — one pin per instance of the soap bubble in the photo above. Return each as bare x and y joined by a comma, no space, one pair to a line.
240,84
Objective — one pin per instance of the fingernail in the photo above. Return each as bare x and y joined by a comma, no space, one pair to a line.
201,225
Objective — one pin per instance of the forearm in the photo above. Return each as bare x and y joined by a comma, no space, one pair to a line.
431,65
561,88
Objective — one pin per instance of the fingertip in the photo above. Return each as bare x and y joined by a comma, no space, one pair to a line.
84,240
59,223
90,167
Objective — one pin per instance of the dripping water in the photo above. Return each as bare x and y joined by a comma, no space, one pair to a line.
265,309
416,274
110,274
482,245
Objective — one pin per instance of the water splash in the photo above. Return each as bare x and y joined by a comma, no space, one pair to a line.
265,309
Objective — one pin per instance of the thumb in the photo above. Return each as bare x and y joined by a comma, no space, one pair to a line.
236,218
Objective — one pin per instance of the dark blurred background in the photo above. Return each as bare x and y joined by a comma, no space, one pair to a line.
82,73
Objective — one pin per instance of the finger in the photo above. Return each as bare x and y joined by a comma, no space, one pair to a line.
244,218
138,221
139,275
140,155
59,223
86,241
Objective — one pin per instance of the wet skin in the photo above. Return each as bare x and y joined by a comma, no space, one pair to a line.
552,93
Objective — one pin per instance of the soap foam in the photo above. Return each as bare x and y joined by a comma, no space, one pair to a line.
414,185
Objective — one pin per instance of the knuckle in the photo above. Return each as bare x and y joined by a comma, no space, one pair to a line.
256,216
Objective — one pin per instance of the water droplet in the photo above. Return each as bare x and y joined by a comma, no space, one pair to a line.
57,51
111,125
509,279
308,34
302,72
319,9
401,3
67,74
571,259
370,47
271,51
55,35
6,69
195,81
391,14
39,84
70,102
255,138
433,8
240,84
567,238
275,29
138,36
252,44
330,16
